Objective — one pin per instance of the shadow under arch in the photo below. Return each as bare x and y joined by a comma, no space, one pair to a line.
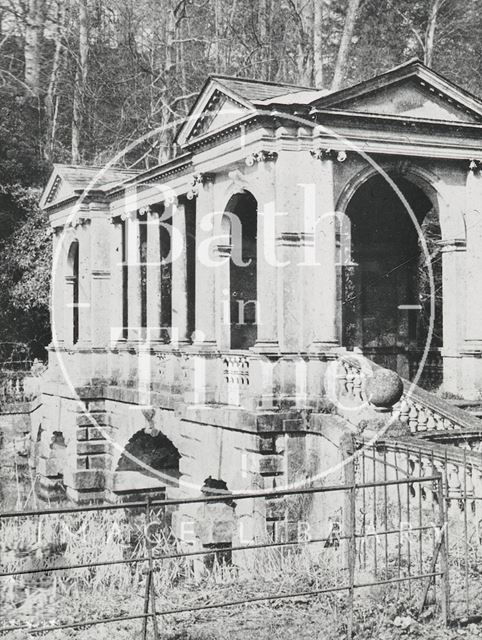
149,464
385,290
72,282
240,228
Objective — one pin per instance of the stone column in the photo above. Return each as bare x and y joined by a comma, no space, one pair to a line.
179,276
153,277
223,297
133,278
453,275
116,288
85,284
100,310
322,275
453,309
267,264
59,299
205,269
473,265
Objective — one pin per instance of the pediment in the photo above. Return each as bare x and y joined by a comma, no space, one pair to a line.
56,190
220,112
410,91
410,99
69,181
215,109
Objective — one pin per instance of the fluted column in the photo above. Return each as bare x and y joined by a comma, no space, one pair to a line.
473,267
133,277
179,276
322,276
205,270
116,291
85,284
153,277
101,318
453,271
59,299
267,266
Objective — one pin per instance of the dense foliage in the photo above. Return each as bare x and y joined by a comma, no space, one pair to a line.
81,79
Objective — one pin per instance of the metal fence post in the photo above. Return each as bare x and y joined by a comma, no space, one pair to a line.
348,454
351,557
150,592
444,565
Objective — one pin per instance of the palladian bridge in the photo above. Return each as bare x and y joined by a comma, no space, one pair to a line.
222,314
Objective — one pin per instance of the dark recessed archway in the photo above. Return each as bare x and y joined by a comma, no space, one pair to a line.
149,463
386,293
240,223
73,283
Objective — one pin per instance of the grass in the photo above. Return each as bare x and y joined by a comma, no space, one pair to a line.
63,597
47,599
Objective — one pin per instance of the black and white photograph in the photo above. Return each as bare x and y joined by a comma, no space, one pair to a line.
240,319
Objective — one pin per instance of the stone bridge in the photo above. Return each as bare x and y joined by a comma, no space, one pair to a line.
207,312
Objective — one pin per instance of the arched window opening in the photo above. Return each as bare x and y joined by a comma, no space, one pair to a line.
73,282
149,464
386,294
241,218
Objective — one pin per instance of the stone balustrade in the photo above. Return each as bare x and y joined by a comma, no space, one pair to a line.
236,369
426,414
410,456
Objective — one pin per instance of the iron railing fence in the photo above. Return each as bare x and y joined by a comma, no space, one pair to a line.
461,501
357,566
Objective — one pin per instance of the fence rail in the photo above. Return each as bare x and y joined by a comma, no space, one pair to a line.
349,541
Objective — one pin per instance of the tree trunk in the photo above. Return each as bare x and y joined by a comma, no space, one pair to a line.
264,39
344,49
51,109
33,36
80,82
430,32
305,44
318,44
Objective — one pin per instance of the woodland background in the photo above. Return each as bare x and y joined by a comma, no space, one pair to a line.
81,79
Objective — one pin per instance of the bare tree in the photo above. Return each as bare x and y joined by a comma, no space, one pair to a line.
51,97
318,44
80,81
344,48
303,11
430,31
32,45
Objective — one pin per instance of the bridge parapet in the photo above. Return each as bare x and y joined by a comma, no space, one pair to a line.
412,456
425,414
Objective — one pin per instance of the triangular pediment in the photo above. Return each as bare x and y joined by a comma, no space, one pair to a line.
69,181
221,112
215,109
410,91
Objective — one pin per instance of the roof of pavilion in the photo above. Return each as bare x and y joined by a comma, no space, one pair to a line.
410,92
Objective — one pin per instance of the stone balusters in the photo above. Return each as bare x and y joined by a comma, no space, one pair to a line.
419,417
236,376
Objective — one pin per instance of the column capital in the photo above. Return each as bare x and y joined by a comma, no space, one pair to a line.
320,153
128,215
261,156
198,180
